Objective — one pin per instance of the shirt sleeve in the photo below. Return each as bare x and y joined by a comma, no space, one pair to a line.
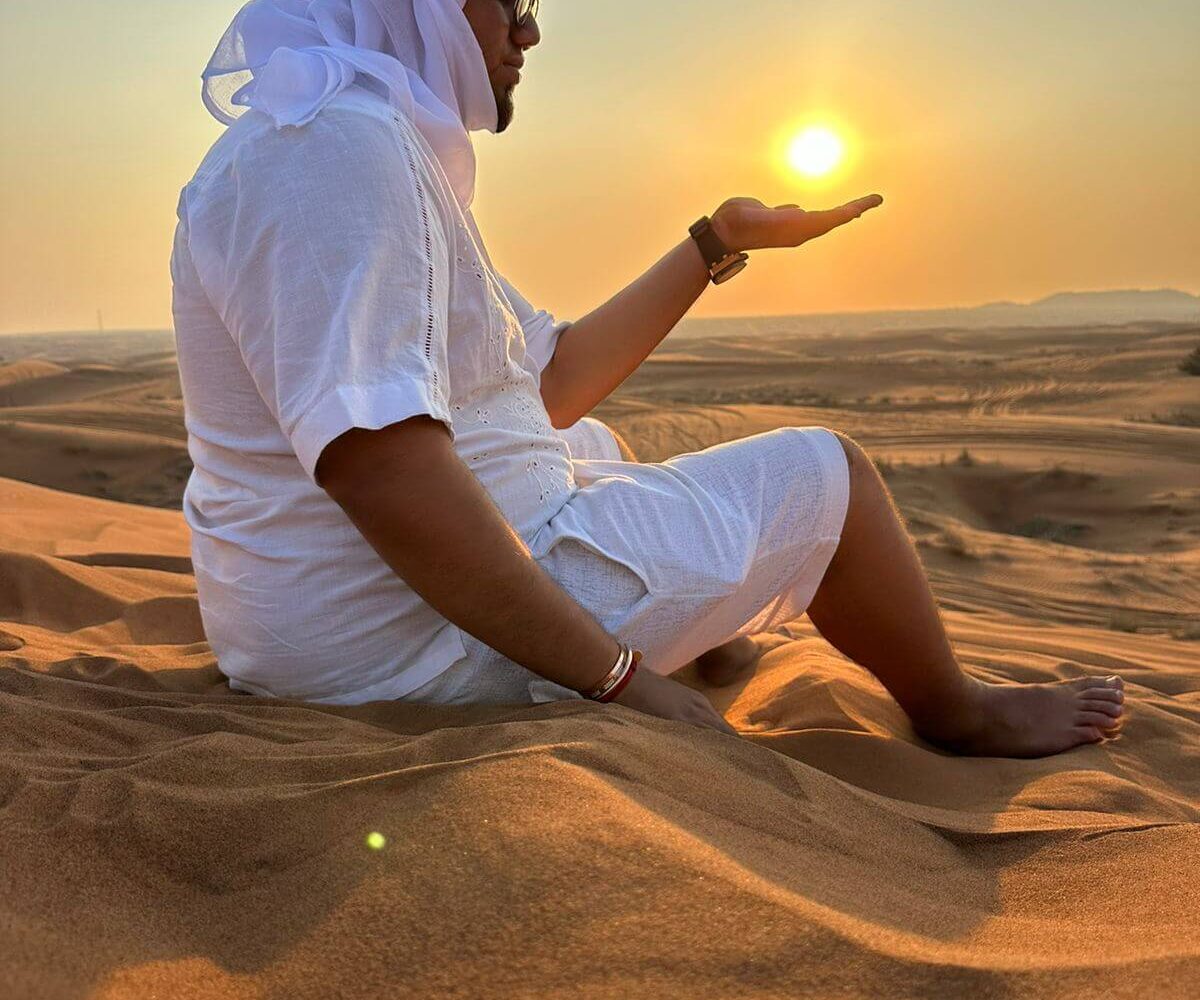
540,329
328,259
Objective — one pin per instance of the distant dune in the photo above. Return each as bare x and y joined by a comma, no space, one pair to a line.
1061,309
1102,308
165,836
25,373
998,445
1149,302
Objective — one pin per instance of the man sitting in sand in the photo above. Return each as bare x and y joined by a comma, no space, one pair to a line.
397,493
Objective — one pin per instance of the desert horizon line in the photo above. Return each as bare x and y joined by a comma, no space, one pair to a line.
995,303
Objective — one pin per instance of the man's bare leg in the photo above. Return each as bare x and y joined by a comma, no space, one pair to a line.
728,662
875,606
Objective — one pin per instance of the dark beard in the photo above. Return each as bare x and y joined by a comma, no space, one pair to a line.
504,109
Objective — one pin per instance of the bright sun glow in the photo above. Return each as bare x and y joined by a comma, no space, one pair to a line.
815,152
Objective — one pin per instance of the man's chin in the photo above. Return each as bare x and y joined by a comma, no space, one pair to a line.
505,110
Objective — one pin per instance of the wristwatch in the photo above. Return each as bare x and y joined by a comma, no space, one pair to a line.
722,262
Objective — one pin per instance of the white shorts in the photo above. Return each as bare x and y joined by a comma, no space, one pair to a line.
677,557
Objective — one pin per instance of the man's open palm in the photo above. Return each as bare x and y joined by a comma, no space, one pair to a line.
748,224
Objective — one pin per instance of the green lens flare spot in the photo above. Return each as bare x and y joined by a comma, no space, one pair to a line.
376,841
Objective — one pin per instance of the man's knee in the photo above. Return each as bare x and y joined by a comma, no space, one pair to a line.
869,491
865,481
856,458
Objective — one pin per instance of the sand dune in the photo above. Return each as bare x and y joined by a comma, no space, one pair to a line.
26,373
97,429
165,836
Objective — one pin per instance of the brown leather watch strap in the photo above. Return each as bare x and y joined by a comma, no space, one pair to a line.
722,262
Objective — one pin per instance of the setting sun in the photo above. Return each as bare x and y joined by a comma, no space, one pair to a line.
815,151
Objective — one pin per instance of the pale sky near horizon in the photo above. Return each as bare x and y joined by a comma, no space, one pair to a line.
1022,148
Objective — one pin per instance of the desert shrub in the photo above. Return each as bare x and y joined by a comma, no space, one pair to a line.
1176,418
953,542
769,394
1148,623
1125,621
1059,475
965,458
1051,531
1191,364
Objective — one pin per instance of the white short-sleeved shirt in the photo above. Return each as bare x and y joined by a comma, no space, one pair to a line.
325,278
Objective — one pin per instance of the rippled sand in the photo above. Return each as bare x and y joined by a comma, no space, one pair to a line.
161,835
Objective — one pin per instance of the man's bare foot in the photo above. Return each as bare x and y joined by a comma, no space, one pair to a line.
1031,720
729,662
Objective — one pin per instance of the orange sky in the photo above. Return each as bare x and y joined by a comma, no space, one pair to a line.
1022,148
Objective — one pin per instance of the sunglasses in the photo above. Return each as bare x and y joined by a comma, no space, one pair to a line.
525,9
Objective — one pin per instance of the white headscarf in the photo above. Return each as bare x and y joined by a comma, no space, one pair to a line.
289,58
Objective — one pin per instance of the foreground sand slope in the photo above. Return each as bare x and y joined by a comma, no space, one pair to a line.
160,835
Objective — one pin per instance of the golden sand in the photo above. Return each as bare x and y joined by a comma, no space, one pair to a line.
163,836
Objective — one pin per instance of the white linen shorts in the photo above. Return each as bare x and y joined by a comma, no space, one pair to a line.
677,557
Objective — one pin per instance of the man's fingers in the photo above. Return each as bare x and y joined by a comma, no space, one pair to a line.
791,225
853,209
822,222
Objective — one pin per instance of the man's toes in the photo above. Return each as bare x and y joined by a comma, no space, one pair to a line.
1088,734
1100,687
1097,719
1107,707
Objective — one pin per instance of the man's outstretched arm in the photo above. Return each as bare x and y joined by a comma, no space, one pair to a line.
602,349
412,498
599,351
